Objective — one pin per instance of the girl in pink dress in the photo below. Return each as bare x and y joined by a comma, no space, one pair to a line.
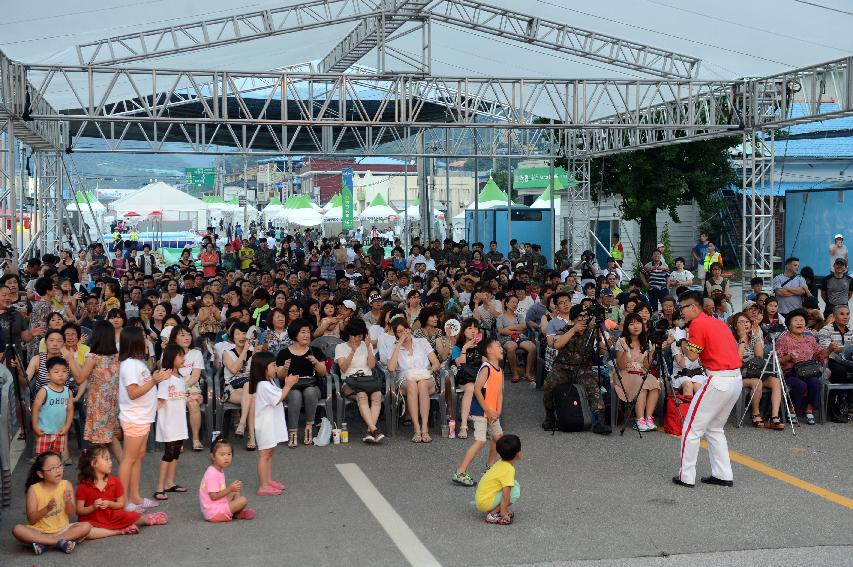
222,502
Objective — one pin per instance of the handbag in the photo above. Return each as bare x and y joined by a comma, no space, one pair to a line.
808,369
361,382
305,382
752,368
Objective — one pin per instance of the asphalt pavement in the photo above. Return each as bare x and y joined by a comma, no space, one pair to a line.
586,500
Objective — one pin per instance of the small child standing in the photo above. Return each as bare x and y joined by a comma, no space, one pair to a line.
53,409
50,504
270,424
171,420
220,502
100,498
498,489
486,409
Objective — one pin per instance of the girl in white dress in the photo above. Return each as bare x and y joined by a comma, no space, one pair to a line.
270,425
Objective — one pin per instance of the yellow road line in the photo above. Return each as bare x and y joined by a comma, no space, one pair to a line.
788,479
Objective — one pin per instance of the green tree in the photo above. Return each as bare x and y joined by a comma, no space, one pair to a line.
661,179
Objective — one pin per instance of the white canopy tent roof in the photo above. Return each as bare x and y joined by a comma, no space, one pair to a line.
161,197
378,212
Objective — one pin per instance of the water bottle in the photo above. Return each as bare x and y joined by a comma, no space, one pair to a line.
344,434
452,432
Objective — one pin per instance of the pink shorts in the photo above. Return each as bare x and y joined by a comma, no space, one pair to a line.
135,429
221,517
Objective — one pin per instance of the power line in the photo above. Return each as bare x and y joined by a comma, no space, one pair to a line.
697,42
830,8
739,24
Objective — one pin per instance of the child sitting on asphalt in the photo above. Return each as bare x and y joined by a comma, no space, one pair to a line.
498,489
485,408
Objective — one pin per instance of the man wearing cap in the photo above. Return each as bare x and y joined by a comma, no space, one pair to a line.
837,250
571,335
375,308
837,287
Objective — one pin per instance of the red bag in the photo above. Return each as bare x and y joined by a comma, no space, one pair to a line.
672,421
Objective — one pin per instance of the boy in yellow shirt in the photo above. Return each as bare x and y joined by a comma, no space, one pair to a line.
498,489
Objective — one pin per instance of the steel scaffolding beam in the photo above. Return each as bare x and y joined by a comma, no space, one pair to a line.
757,178
373,32
578,209
563,38
227,30
605,116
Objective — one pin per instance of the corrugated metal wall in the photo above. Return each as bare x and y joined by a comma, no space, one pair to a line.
812,218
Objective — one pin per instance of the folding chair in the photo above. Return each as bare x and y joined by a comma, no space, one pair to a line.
398,402
343,401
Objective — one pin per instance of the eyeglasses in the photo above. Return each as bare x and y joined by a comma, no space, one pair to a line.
685,305
57,468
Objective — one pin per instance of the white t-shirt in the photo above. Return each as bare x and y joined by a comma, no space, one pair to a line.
385,347
359,360
143,408
270,425
192,360
172,418
177,302
523,306
374,332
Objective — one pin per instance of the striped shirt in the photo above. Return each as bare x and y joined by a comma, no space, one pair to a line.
656,275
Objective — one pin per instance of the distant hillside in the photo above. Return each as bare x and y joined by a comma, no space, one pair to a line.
128,171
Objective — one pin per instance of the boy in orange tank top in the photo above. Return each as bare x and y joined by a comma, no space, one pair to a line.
486,409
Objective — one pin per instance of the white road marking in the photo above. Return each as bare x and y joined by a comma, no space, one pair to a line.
400,533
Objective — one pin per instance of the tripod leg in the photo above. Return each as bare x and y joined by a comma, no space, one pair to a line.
747,406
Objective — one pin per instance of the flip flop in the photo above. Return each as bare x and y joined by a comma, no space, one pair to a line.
160,495
175,488
197,446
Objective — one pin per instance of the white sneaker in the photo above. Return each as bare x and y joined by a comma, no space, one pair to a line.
640,425
650,424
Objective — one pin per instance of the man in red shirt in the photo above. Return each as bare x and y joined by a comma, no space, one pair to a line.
711,342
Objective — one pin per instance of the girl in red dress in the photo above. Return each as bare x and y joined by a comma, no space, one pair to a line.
101,501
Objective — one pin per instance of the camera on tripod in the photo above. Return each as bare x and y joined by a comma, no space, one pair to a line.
659,331
596,311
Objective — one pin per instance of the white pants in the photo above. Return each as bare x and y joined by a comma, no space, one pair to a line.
706,418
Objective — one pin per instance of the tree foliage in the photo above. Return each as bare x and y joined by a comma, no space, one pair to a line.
662,179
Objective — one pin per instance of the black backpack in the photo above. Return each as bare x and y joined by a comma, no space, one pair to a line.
573,412
838,409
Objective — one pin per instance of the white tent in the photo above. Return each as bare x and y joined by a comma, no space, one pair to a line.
173,203
413,211
378,212
274,208
335,214
490,197
372,185
544,200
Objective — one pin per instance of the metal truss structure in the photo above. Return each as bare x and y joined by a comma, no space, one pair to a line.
407,114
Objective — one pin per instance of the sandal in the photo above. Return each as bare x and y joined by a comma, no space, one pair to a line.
160,495
308,437
776,423
176,488
132,529
463,433
251,445
416,438
758,421
197,446
425,438
515,379
241,429
291,440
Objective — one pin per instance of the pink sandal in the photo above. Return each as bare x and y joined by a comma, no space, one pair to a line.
268,490
132,529
245,514
277,485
